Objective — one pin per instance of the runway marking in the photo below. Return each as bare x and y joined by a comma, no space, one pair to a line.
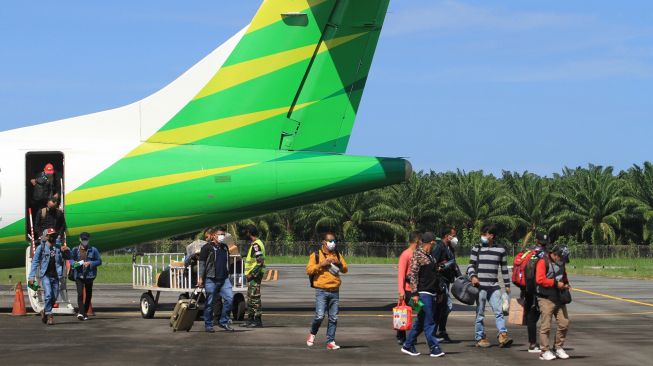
612,297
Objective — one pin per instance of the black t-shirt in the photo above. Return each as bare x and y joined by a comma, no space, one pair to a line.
52,267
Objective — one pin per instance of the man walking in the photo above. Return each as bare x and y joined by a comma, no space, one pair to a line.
425,288
552,281
403,275
85,260
444,256
485,261
528,294
50,216
49,258
254,261
214,277
324,268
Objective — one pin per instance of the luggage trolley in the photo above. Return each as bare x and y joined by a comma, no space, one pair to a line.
148,269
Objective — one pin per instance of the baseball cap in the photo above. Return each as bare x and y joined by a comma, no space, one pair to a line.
84,236
49,169
542,239
428,237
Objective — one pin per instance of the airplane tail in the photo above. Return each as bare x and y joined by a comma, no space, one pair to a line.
293,81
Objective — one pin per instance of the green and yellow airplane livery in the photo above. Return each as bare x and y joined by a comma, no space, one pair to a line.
260,124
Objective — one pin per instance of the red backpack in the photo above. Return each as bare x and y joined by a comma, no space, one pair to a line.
519,267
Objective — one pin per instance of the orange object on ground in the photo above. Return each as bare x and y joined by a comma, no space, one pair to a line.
19,301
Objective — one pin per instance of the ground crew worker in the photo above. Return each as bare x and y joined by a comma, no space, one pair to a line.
403,281
254,269
50,217
551,279
85,260
324,268
49,258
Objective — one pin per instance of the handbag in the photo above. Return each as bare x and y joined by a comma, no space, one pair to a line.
564,296
402,316
463,290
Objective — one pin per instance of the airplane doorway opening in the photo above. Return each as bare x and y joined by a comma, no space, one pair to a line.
44,181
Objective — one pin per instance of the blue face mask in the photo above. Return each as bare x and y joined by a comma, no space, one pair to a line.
485,241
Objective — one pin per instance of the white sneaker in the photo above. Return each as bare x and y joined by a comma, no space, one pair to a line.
332,346
560,353
80,317
534,349
310,341
547,356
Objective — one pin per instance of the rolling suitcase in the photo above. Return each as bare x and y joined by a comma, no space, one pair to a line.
184,314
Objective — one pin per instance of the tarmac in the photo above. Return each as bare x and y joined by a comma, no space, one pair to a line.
611,324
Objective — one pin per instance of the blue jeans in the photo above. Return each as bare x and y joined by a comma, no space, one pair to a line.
326,301
213,288
50,292
494,297
425,323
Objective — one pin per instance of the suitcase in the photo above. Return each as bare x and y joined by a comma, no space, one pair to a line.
184,314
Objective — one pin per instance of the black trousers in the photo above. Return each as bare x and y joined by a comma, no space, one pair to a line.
532,311
84,283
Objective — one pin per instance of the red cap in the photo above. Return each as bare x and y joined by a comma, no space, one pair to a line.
49,169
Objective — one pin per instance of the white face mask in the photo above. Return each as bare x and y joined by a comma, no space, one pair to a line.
454,241
84,243
331,245
220,238
484,240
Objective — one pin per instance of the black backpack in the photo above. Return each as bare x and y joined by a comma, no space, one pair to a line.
311,278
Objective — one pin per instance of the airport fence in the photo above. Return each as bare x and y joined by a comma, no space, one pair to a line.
390,250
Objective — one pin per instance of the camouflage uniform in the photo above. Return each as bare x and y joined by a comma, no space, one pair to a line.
254,307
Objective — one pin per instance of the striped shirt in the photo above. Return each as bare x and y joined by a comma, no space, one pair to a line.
485,265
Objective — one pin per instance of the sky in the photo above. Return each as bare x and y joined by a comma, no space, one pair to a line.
493,85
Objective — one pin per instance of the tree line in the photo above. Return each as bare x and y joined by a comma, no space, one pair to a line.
584,205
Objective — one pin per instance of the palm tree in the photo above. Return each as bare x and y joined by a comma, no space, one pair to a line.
532,204
473,199
413,205
640,186
594,204
354,217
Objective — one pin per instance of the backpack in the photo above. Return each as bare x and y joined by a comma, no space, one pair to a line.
519,267
529,273
311,278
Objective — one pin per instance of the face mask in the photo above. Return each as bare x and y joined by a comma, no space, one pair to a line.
220,238
485,240
52,239
454,241
331,245
84,243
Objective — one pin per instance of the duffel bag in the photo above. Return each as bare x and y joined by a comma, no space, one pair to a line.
463,290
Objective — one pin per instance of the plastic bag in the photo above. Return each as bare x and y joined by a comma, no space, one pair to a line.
505,303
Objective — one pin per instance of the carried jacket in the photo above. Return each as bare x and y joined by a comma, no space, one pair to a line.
208,265
322,278
92,256
42,258
547,276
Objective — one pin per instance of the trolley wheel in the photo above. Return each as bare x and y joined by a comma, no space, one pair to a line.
239,308
148,307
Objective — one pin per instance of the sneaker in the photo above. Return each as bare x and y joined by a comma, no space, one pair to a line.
547,356
51,319
248,323
444,337
534,348
561,354
44,318
310,341
401,341
410,351
504,340
483,343
80,317
209,330
437,352
332,346
226,327
85,317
